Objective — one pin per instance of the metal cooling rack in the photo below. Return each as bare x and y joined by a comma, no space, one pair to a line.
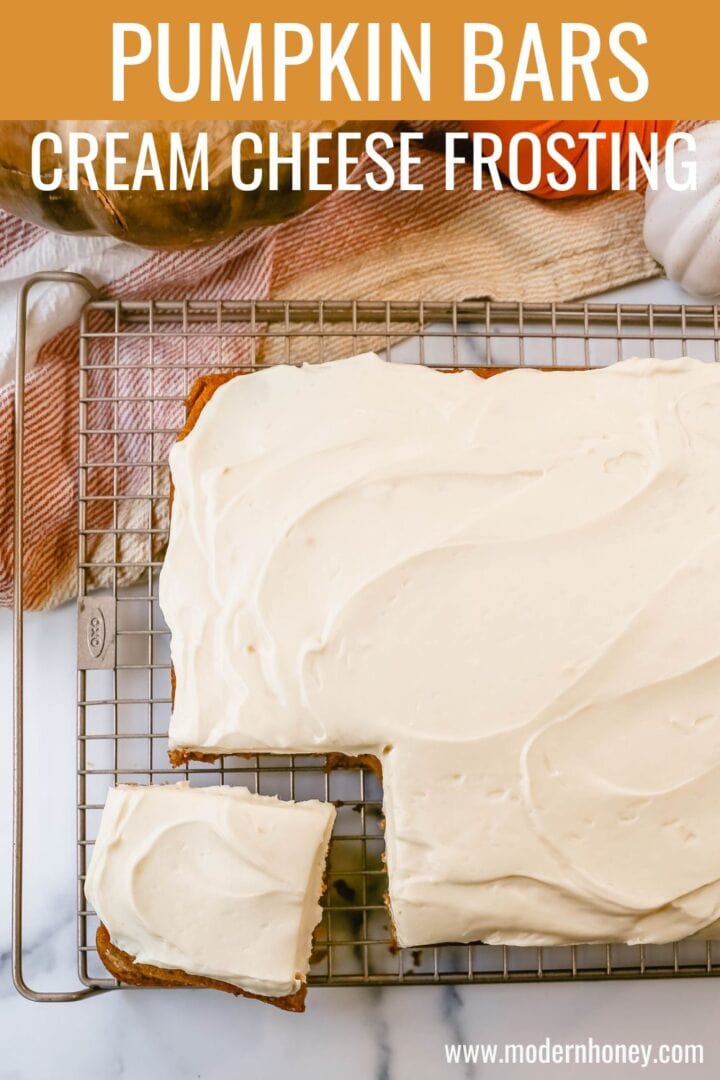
138,359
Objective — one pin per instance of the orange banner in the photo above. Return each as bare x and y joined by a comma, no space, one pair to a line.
162,60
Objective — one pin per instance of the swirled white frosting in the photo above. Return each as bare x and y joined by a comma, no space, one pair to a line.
215,881
508,590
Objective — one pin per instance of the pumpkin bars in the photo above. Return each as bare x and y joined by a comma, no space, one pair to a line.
505,590
212,887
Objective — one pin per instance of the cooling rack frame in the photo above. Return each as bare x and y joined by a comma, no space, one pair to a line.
145,354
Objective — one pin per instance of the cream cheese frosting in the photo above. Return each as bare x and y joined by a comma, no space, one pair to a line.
215,881
508,591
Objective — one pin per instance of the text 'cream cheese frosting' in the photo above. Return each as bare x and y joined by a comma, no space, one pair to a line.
214,881
506,589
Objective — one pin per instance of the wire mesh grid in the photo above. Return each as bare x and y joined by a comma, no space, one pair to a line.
138,360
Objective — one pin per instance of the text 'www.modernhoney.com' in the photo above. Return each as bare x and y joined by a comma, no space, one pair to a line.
589,1052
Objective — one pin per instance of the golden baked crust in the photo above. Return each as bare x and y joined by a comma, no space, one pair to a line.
335,760
200,393
354,761
178,758
124,968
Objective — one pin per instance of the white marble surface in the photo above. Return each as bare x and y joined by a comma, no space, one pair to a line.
394,1034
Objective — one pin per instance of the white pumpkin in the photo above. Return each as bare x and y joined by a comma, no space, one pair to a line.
682,228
